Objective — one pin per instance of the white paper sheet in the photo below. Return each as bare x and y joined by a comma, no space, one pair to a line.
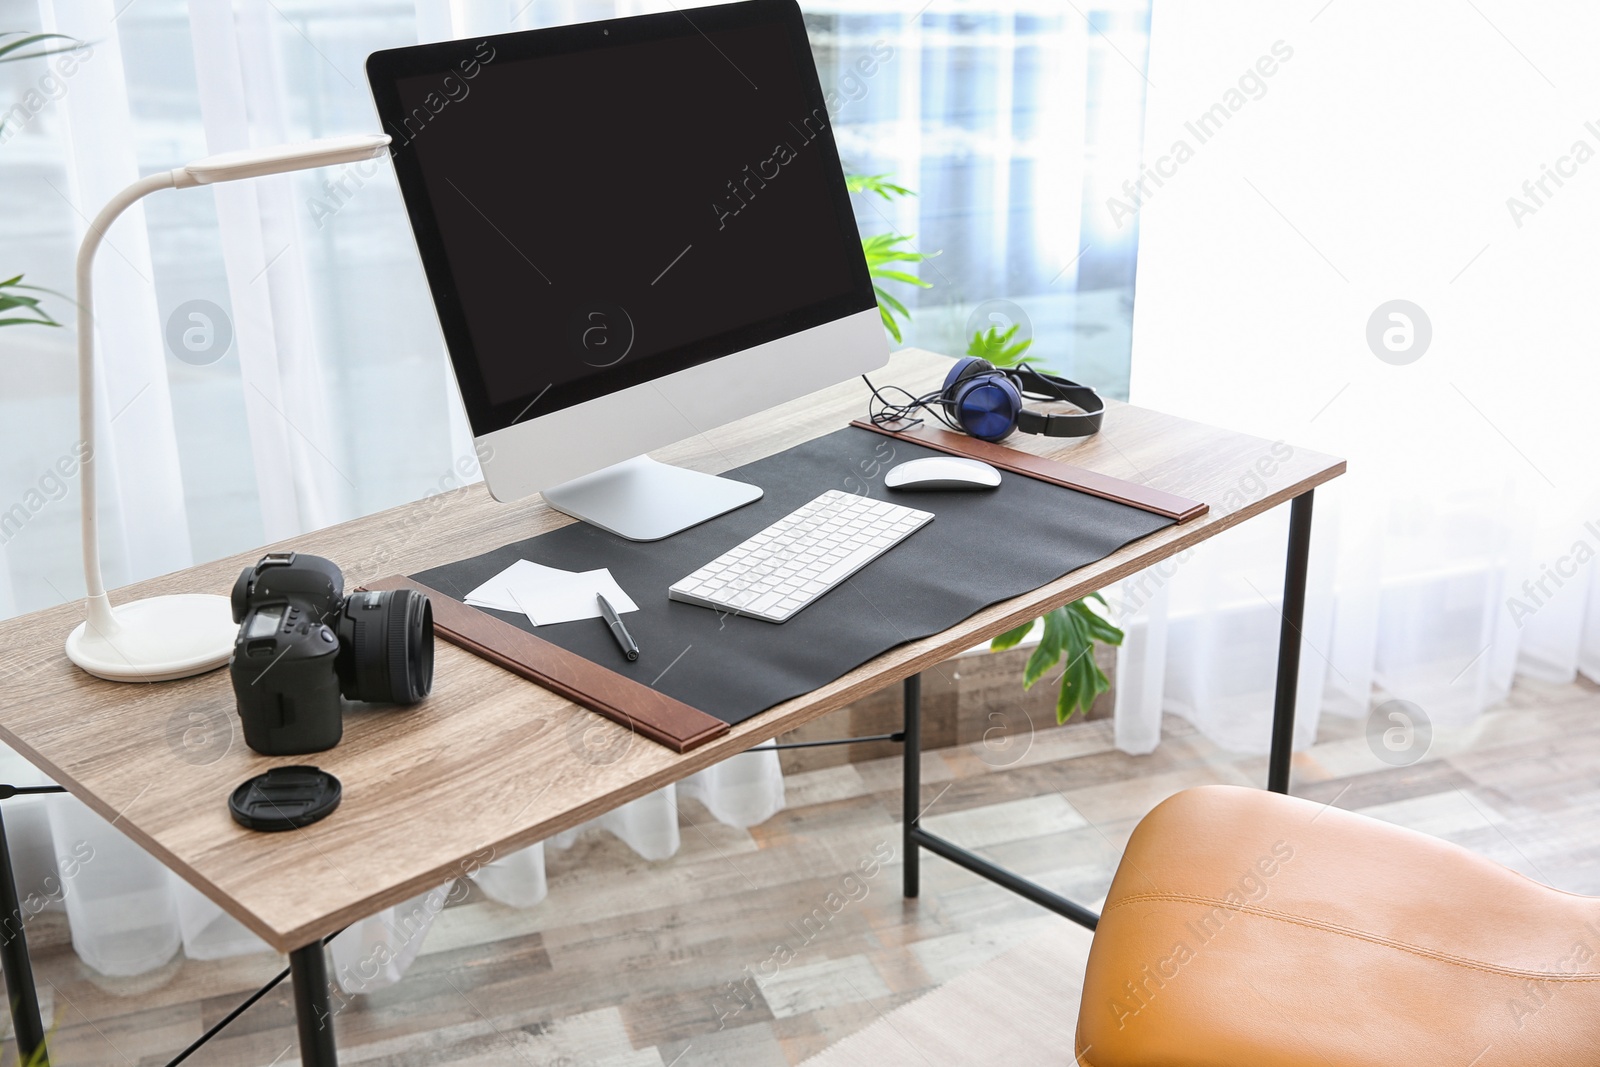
493,593
548,595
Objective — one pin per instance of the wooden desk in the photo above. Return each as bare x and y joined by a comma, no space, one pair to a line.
490,763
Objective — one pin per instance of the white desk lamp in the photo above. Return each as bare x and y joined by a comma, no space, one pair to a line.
165,637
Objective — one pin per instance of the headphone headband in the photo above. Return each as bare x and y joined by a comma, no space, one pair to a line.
1039,386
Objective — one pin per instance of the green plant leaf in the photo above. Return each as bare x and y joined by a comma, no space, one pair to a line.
1080,685
1100,628
9,48
1082,680
901,276
40,1056
888,301
997,348
1011,638
882,248
1077,635
1049,651
900,256
12,298
875,183
888,322
1070,635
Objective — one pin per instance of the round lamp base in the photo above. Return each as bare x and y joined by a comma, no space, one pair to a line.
158,639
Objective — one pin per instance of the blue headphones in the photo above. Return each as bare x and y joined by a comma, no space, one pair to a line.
988,402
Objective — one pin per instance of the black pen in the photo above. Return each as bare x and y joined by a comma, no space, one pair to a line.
619,631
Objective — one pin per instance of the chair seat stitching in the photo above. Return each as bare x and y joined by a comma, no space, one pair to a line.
1318,924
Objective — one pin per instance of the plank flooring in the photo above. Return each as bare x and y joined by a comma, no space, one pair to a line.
637,964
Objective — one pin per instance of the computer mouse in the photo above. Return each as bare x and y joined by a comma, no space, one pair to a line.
942,472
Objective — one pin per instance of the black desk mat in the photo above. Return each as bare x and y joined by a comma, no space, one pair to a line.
982,547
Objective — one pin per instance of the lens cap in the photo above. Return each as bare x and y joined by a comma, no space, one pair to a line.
285,798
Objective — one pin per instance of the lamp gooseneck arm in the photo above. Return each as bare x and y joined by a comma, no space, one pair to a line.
99,606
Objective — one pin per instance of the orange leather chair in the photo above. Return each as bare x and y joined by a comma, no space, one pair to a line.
1249,929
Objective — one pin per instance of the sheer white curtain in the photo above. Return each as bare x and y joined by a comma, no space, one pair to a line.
137,444
332,397
1377,161
127,914
283,380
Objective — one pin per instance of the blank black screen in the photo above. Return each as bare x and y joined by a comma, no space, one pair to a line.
622,210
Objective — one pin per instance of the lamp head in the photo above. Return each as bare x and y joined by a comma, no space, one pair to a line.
256,162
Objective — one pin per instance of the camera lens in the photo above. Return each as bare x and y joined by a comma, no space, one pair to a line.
386,647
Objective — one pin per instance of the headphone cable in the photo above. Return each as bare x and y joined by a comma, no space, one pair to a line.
905,411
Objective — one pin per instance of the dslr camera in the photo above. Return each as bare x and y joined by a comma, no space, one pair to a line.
302,644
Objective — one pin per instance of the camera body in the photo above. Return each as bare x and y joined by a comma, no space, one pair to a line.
286,680
303,644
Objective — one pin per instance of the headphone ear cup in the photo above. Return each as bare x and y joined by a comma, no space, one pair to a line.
965,369
986,406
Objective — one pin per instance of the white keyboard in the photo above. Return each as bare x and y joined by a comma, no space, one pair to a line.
800,557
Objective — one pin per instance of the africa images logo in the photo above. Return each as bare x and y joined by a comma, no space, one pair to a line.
1251,85
742,190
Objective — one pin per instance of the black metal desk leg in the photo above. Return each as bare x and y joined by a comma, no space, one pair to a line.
1289,637
18,970
911,754
308,967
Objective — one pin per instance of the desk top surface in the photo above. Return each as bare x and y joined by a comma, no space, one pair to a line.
490,762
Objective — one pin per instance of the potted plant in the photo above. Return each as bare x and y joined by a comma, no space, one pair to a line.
1068,633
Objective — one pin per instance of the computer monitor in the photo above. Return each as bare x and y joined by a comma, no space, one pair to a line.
634,231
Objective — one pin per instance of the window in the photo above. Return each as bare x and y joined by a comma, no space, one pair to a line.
273,360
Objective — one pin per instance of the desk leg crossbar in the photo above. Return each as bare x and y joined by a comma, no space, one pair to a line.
915,838
309,966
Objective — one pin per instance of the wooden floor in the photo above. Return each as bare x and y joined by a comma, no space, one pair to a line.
632,963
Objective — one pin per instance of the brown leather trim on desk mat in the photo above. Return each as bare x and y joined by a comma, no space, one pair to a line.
1048,470
644,710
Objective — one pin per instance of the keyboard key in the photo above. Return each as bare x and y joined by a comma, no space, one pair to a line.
764,604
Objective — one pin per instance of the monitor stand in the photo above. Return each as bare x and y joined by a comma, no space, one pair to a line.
644,500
